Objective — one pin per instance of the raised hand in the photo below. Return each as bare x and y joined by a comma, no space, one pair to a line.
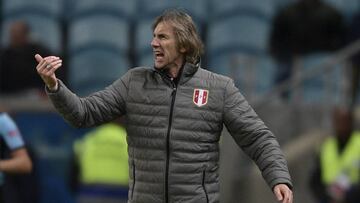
46,69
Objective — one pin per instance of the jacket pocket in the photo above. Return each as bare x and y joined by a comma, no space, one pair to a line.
134,180
204,187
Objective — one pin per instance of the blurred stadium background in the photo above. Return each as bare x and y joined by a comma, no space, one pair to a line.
101,39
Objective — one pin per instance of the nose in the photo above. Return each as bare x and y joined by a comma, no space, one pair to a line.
155,42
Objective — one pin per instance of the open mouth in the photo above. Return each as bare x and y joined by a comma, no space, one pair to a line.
158,55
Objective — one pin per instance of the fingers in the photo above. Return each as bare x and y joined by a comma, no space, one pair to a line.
283,193
55,62
38,58
46,69
55,67
42,60
52,67
46,64
287,197
47,59
278,194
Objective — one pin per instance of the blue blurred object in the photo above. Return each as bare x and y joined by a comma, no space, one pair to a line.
43,17
253,74
57,191
146,60
143,37
237,41
242,32
100,31
49,8
266,74
239,26
326,87
197,9
221,8
347,7
51,139
99,42
94,69
46,31
121,8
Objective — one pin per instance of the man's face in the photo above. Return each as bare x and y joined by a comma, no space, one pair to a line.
165,48
18,34
342,123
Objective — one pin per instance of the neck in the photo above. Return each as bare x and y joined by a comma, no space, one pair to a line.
173,70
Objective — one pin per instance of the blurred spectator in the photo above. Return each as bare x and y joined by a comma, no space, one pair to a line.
17,61
21,188
337,173
354,34
14,158
304,27
101,167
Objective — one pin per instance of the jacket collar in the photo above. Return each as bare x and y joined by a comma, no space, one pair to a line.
186,72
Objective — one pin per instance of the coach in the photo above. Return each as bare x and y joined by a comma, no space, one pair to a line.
175,113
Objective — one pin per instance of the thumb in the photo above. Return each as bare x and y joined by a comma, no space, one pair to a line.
278,194
38,58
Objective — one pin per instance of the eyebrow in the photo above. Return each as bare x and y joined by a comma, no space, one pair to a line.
161,34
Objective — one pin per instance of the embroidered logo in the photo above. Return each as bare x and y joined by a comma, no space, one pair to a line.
200,97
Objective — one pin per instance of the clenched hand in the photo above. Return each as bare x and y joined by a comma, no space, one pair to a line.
283,193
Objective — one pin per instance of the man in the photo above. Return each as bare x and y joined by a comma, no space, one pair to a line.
175,114
304,27
353,35
336,178
17,59
100,169
19,160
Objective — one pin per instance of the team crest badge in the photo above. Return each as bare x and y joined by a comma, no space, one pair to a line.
200,97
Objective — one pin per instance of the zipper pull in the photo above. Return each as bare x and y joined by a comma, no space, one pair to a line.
173,91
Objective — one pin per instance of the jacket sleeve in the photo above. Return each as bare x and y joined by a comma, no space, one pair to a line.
95,109
255,139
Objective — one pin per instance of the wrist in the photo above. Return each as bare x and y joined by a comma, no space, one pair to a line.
54,87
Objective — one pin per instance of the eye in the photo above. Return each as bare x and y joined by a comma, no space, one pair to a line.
162,36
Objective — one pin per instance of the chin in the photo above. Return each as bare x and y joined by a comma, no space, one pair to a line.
159,66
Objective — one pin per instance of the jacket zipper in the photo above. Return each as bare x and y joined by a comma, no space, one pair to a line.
133,185
173,95
203,185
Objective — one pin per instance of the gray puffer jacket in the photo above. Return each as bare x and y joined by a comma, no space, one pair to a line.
174,131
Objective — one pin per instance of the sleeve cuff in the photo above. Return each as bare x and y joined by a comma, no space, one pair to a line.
53,91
